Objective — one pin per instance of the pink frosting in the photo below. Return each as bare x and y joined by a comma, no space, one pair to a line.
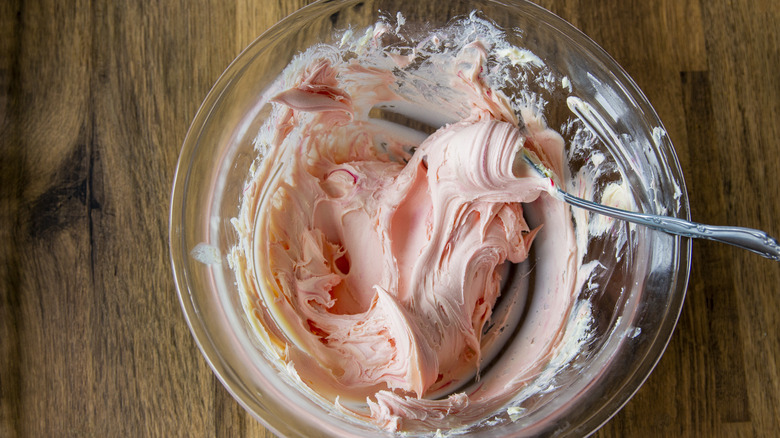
385,269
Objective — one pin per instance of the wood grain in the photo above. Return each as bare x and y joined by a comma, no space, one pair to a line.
96,97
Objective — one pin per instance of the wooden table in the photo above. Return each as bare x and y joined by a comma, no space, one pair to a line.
96,97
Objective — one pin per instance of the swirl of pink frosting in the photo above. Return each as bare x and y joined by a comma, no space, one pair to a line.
383,273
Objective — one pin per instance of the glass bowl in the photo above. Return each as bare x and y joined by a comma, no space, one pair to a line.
635,296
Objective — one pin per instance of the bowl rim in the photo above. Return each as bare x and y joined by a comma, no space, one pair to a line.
178,251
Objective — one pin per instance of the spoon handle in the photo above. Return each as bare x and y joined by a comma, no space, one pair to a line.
753,240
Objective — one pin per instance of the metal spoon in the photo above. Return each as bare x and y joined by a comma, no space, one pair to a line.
747,238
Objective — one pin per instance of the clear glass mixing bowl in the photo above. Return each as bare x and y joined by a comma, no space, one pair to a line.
638,298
